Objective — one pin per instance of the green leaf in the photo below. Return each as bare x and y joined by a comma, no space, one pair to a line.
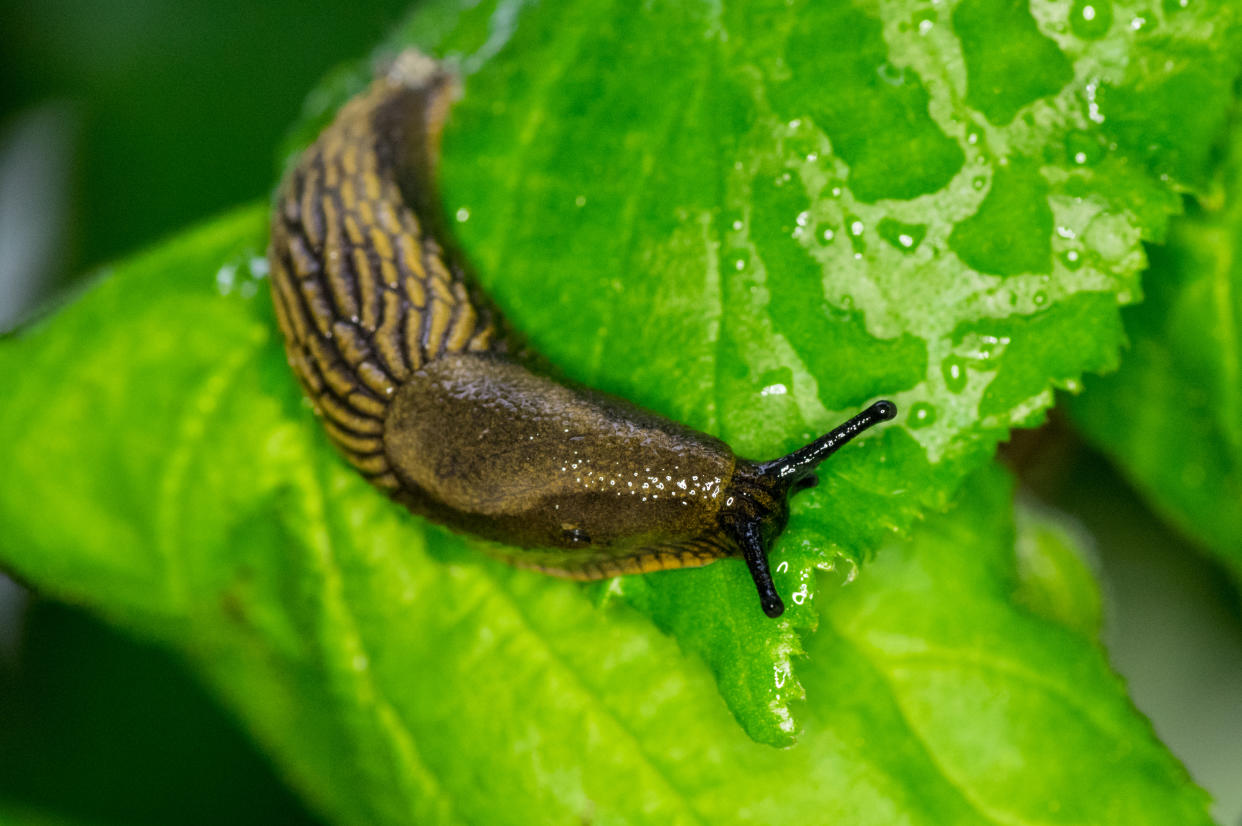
390,667
1171,418
1056,572
102,727
773,212
718,223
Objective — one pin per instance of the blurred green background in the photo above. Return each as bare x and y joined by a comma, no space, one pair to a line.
164,112
125,120
122,121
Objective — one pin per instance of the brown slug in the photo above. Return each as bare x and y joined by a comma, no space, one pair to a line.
433,398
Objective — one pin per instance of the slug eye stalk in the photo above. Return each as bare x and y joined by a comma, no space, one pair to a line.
799,464
763,490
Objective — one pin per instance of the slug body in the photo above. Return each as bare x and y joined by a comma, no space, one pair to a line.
430,395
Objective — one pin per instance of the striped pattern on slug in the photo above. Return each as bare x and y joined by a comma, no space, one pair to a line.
364,291
428,393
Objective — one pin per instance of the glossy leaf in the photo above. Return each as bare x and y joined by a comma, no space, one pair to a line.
772,213
1172,416
720,224
167,477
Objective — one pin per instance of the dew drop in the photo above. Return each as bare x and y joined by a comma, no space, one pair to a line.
905,237
226,277
991,346
1081,149
891,74
1091,19
851,571
854,228
921,415
954,370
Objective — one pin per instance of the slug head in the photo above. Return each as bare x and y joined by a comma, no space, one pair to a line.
756,506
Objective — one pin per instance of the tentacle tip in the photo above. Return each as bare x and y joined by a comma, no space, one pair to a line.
772,605
884,409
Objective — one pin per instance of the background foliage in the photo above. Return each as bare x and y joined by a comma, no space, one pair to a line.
953,221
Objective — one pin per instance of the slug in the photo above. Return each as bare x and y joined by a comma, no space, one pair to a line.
431,396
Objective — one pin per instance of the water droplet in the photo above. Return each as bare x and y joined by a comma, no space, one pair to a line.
737,226
851,571
921,415
954,371
580,201
854,229
1091,19
1040,298
803,218
991,347
1090,89
463,215
891,74
226,277
979,182
905,237
923,21
827,236
1072,259
1082,149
